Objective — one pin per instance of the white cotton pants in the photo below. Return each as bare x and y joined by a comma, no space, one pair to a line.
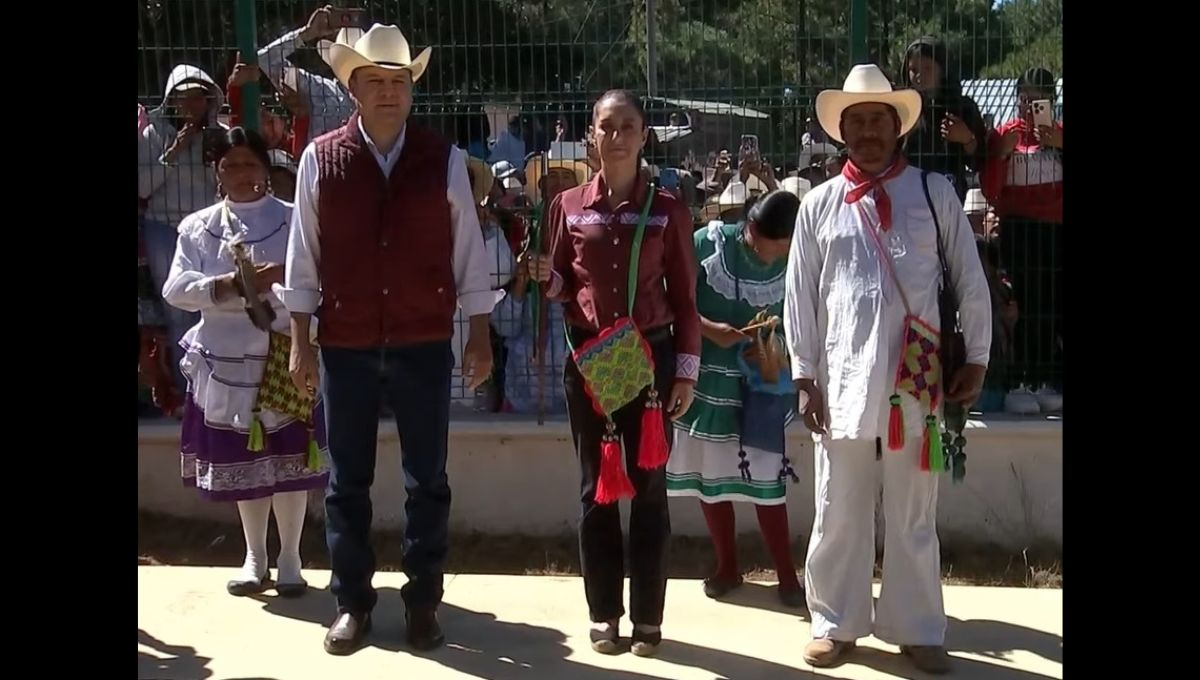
841,551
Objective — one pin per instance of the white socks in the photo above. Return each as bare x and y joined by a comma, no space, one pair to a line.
289,517
254,514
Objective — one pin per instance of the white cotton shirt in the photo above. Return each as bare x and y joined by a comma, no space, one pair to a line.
468,257
843,316
224,354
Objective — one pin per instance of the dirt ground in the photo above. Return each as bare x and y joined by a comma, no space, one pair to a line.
172,541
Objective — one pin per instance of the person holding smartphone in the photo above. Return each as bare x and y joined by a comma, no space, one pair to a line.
950,138
328,103
1023,180
174,180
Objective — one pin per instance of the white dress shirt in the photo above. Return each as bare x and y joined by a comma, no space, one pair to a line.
472,271
843,316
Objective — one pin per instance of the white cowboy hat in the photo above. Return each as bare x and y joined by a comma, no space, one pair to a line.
797,185
736,193
346,36
506,172
733,197
975,204
533,172
383,46
866,84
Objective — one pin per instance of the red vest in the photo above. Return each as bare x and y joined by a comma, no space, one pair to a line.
385,264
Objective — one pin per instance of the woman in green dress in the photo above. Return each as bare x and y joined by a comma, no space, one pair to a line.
740,281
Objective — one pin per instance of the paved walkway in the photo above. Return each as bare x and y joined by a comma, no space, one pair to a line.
531,627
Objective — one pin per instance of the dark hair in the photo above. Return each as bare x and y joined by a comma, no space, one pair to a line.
239,136
774,214
622,97
1039,79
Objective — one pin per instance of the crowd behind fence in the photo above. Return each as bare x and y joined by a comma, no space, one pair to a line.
729,88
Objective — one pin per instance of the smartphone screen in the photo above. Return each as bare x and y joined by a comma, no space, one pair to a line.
749,147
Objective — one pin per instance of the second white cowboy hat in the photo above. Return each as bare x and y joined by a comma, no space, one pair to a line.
975,204
383,46
797,185
533,172
866,84
345,36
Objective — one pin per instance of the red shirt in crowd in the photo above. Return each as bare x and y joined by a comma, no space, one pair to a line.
293,140
1028,183
590,247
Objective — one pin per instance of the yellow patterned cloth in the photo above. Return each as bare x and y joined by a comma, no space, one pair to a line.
920,369
277,391
616,366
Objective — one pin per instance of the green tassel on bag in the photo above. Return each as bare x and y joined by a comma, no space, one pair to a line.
314,453
257,436
932,456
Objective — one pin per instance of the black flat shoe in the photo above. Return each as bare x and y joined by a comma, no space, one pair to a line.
792,597
606,641
645,644
714,587
244,588
291,590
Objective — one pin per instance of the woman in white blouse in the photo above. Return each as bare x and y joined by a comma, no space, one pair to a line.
231,449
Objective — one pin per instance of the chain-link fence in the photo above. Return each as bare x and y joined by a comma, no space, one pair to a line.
509,79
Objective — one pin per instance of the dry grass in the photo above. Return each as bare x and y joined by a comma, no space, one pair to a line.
163,540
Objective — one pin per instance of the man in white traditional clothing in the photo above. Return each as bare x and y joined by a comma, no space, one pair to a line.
862,320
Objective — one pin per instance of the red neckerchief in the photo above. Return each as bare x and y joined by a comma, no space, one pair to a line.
862,184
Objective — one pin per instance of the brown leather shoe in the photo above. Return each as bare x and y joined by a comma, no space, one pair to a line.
932,660
348,633
823,652
424,632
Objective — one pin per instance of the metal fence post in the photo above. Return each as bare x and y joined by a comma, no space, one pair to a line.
651,48
247,39
858,32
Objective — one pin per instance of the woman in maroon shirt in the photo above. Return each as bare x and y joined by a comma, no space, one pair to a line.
589,234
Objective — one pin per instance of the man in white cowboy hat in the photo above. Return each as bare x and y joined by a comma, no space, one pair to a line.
385,247
862,294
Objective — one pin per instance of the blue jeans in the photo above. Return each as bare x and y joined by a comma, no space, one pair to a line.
160,239
415,379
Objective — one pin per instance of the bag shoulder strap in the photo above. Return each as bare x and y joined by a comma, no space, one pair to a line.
636,253
937,225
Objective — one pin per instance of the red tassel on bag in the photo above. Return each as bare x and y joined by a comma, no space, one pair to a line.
613,484
652,446
895,425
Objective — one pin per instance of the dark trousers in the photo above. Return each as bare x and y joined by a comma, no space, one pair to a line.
1032,253
415,381
600,541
